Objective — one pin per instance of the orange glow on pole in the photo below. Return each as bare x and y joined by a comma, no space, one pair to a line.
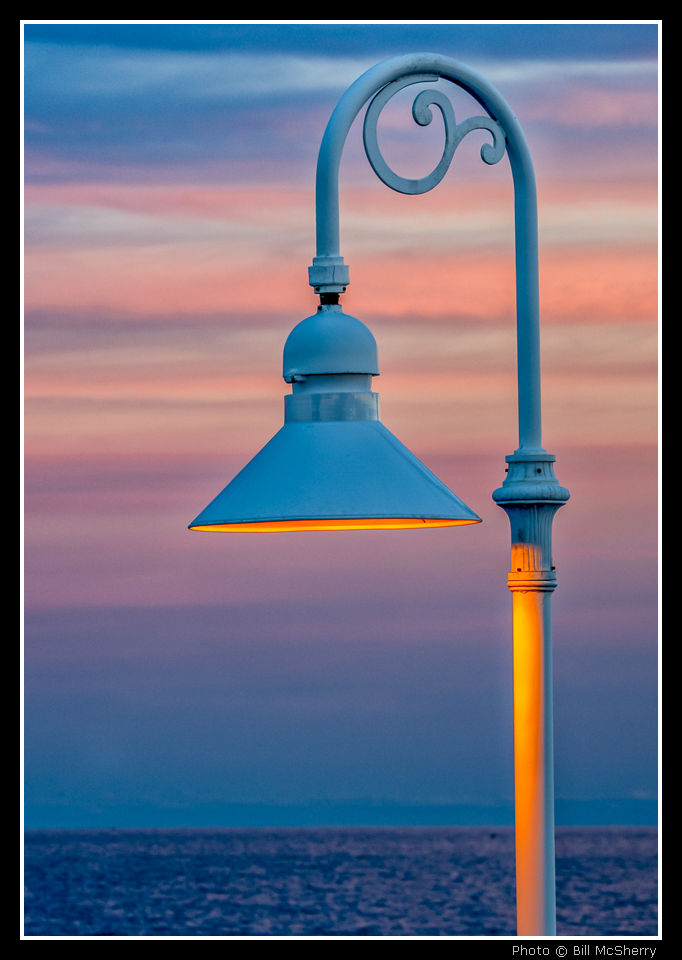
533,762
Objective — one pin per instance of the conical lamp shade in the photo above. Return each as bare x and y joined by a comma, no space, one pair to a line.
336,475
333,465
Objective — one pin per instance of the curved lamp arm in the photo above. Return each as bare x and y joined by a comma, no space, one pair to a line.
329,274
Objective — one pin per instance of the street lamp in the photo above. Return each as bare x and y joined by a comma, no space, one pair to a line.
334,466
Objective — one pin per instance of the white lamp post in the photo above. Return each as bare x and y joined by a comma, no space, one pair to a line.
334,466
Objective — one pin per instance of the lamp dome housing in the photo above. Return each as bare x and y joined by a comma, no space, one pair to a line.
330,341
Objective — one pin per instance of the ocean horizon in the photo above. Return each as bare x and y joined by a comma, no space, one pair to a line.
419,881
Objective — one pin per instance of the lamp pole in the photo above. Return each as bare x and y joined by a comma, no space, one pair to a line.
530,494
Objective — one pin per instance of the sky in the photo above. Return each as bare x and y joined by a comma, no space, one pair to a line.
174,678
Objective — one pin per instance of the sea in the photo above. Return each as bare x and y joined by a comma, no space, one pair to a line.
328,882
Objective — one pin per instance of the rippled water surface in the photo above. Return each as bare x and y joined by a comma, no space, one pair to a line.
455,881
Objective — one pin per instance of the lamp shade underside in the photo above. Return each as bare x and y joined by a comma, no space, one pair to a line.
322,523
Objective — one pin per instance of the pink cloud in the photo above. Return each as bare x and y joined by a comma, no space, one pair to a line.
595,107
142,250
